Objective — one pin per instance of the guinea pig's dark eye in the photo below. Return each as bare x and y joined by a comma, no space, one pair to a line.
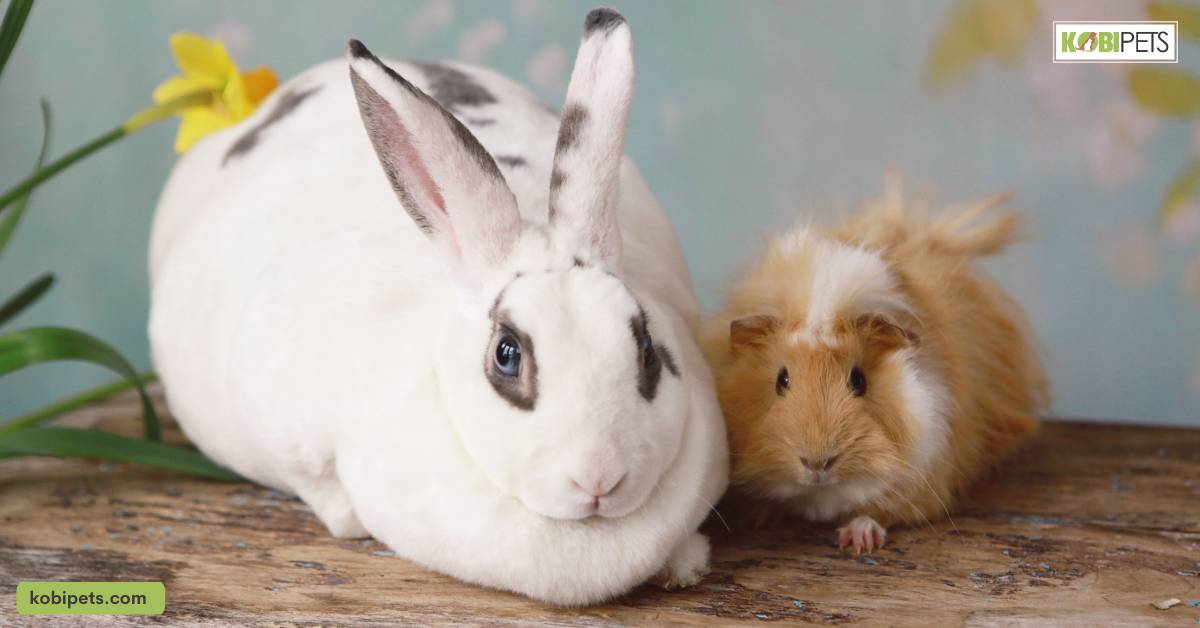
858,382
508,356
782,381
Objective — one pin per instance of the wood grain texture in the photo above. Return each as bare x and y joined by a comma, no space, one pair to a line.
1087,526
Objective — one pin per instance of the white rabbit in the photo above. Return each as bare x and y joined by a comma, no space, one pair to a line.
481,353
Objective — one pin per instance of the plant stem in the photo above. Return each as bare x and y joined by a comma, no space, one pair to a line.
86,398
57,166
139,120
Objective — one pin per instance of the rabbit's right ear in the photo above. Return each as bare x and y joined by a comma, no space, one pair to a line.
443,176
591,137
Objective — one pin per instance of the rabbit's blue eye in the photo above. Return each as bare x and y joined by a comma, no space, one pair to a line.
646,346
508,356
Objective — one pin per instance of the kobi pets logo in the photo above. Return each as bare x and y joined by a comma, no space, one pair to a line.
1116,42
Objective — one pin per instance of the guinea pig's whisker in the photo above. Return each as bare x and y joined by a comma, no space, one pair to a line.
917,474
716,512
897,493
712,507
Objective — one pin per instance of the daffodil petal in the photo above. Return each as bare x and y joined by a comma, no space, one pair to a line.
234,98
200,57
178,86
197,123
260,82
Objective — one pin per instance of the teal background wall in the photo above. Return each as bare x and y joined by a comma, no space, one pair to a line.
748,115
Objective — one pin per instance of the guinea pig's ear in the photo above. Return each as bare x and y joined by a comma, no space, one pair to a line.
885,333
751,332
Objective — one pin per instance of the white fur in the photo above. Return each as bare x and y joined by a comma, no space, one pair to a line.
925,401
311,338
827,503
847,281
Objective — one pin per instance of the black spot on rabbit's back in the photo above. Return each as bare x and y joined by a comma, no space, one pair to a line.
284,106
453,88
511,161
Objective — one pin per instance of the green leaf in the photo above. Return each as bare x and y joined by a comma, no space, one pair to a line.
85,443
10,29
1184,187
1187,15
28,347
26,297
1168,92
85,398
9,223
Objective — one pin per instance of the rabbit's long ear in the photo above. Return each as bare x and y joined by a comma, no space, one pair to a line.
443,177
591,138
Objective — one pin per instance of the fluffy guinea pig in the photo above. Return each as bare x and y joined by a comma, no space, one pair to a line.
869,373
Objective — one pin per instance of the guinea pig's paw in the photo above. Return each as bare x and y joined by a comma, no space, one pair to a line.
863,534
687,564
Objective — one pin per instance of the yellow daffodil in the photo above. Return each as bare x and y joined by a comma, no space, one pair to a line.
209,76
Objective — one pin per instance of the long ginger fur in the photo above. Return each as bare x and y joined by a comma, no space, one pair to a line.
953,382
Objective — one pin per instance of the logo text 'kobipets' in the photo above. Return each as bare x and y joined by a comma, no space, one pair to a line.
1116,42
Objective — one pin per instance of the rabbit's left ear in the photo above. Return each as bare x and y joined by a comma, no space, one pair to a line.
591,138
443,177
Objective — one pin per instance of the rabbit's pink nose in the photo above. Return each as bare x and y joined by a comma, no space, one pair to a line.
599,487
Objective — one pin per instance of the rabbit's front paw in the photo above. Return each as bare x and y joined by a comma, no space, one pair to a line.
687,564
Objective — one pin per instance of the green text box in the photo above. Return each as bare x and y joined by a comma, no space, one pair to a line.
91,598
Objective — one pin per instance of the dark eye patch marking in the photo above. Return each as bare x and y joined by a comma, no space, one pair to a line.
602,19
649,363
668,359
522,391
286,104
512,161
454,88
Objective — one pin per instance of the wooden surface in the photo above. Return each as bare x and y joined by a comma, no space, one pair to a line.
1088,526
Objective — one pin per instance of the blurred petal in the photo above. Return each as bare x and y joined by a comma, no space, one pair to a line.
234,98
197,123
259,83
178,86
201,57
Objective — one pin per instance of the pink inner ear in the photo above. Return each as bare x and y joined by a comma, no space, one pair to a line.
416,168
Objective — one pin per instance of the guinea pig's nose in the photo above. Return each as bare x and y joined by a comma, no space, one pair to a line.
820,464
